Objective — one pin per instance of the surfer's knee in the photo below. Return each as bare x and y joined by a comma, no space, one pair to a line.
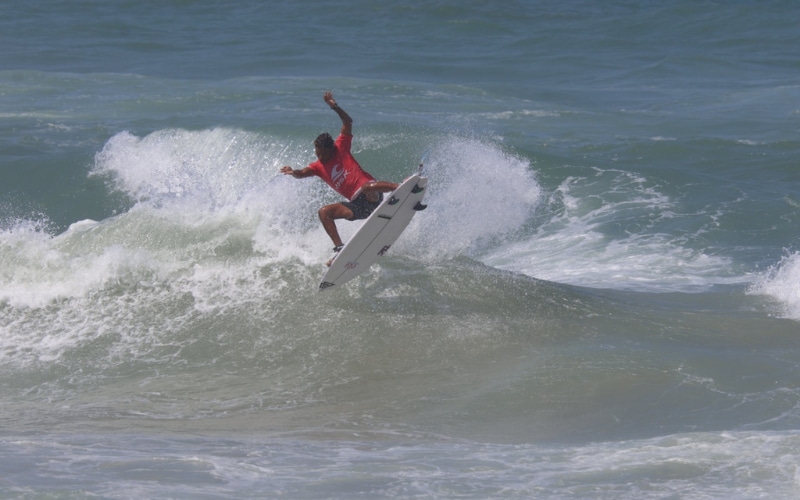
325,212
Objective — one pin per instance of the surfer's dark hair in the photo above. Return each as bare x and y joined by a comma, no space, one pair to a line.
324,141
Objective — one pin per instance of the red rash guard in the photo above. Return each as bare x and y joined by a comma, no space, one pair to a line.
342,172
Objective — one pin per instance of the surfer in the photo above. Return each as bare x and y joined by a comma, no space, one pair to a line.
337,167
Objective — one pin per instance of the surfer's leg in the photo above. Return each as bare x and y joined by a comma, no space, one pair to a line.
328,215
362,206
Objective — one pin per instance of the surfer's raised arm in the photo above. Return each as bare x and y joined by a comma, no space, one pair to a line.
347,122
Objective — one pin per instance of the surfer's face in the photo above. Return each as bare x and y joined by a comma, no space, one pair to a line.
324,147
323,154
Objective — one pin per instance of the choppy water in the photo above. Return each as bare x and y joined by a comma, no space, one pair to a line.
601,300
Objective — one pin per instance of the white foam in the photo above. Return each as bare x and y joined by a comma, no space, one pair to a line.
215,167
585,241
477,193
38,268
199,195
782,283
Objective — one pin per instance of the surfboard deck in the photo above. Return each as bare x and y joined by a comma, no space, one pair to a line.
379,231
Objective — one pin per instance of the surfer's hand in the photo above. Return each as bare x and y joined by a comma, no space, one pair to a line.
328,96
287,171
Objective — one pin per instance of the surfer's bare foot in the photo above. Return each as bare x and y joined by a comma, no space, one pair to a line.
336,250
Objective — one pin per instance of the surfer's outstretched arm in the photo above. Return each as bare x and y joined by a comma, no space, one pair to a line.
298,173
347,122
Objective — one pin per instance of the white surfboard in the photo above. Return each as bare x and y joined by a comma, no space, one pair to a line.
380,230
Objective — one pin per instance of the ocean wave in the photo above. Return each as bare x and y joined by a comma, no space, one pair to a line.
602,230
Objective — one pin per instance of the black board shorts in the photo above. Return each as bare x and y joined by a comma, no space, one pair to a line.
361,207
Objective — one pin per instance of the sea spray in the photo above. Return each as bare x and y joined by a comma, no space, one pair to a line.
781,283
478,194
213,166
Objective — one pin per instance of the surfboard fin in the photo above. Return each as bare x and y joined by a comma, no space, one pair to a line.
416,189
392,200
419,206
422,161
